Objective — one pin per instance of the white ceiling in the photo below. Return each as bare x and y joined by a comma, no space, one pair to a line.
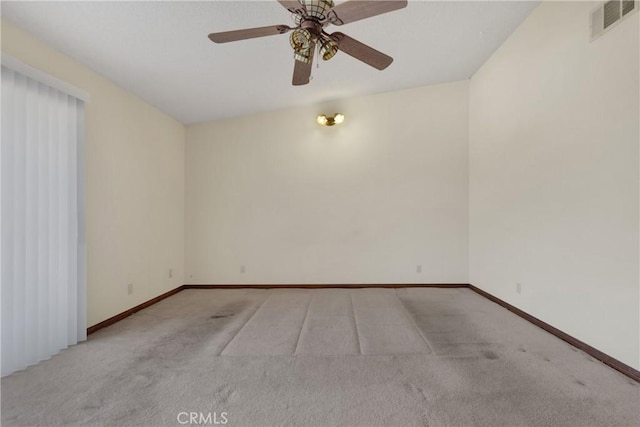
159,50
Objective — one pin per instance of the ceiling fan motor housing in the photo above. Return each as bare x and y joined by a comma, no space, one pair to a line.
309,31
303,40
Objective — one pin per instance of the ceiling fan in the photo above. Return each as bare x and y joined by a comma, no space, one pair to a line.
311,17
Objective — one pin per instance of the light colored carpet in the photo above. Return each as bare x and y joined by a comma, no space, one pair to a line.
405,357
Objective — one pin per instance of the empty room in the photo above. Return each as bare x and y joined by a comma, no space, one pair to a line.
320,213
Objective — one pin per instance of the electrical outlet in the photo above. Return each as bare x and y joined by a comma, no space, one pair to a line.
243,269
170,273
130,288
418,268
518,288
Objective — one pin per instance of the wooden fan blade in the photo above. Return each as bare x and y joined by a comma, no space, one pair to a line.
293,6
249,33
355,10
301,73
361,51
302,70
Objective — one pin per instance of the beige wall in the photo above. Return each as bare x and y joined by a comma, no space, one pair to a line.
134,185
554,176
364,202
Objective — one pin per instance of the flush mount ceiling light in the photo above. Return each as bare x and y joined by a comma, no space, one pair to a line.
330,121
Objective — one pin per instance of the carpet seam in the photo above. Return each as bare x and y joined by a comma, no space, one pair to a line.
408,316
245,324
355,324
304,321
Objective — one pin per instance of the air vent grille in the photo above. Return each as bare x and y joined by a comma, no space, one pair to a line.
628,6
609,13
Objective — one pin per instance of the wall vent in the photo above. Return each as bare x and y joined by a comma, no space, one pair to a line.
609,13
628,6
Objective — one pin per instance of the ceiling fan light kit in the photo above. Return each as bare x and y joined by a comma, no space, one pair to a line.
311,17
328,49
323,120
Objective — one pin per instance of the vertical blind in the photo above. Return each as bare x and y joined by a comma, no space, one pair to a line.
43,292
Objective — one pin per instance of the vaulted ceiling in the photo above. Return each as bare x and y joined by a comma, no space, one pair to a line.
159,50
